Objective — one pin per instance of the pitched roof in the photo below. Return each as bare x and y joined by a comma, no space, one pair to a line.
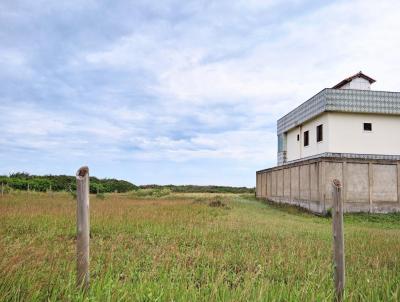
341,100
349,79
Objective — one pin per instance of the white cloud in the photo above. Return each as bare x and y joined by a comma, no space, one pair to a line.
180,82
14,64
303,55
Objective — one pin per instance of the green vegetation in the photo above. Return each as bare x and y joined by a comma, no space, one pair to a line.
178,247
58,183
21,181
150,193
200,189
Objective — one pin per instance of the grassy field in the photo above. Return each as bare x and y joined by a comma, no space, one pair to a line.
178,248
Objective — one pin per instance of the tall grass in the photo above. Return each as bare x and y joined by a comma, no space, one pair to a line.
178,248
150,193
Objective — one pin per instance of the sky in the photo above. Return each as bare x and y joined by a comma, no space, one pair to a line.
175,92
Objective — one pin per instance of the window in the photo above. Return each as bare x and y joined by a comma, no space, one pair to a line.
367,127
320,133
281,143
298,137
305,138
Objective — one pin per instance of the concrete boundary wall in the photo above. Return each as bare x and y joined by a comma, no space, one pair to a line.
368,185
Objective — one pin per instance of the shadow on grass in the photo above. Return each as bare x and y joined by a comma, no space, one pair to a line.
390,220
289,209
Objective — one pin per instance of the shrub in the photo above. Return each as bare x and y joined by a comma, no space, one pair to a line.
73,194
20,181
151,193
100,196
217,202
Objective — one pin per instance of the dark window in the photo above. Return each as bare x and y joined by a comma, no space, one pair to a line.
298,137
320,133
306,138
280,143
367,127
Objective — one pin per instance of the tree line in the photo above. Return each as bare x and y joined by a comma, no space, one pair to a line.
25,181
200,189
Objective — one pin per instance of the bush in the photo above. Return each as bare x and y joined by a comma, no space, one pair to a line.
20,181
151,193
328,212
6,189
100,196
217,202
73,194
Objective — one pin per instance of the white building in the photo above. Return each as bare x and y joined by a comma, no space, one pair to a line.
348,133
348,120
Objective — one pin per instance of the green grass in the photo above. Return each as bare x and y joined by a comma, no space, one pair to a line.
150,193
178,248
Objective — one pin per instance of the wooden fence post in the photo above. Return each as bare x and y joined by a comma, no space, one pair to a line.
82,215
338,240
50,191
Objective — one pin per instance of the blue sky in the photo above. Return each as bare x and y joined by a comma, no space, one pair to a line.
181,92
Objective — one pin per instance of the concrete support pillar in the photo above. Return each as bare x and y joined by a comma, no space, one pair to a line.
398,182
344,182
309,182
371,183
276,183
261,179
321,185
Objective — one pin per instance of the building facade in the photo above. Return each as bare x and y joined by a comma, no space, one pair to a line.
343,120
346,124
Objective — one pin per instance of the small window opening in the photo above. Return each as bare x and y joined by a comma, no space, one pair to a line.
320,133
298,137
367,127
305,138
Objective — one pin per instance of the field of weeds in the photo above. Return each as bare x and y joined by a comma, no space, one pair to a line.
190,247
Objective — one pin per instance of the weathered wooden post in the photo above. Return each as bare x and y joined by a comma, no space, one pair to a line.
82,216
338,240
50,191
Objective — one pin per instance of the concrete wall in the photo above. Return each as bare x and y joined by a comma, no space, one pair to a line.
344,133
263,184
293,146
295,149
367,185
357,83
258,184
